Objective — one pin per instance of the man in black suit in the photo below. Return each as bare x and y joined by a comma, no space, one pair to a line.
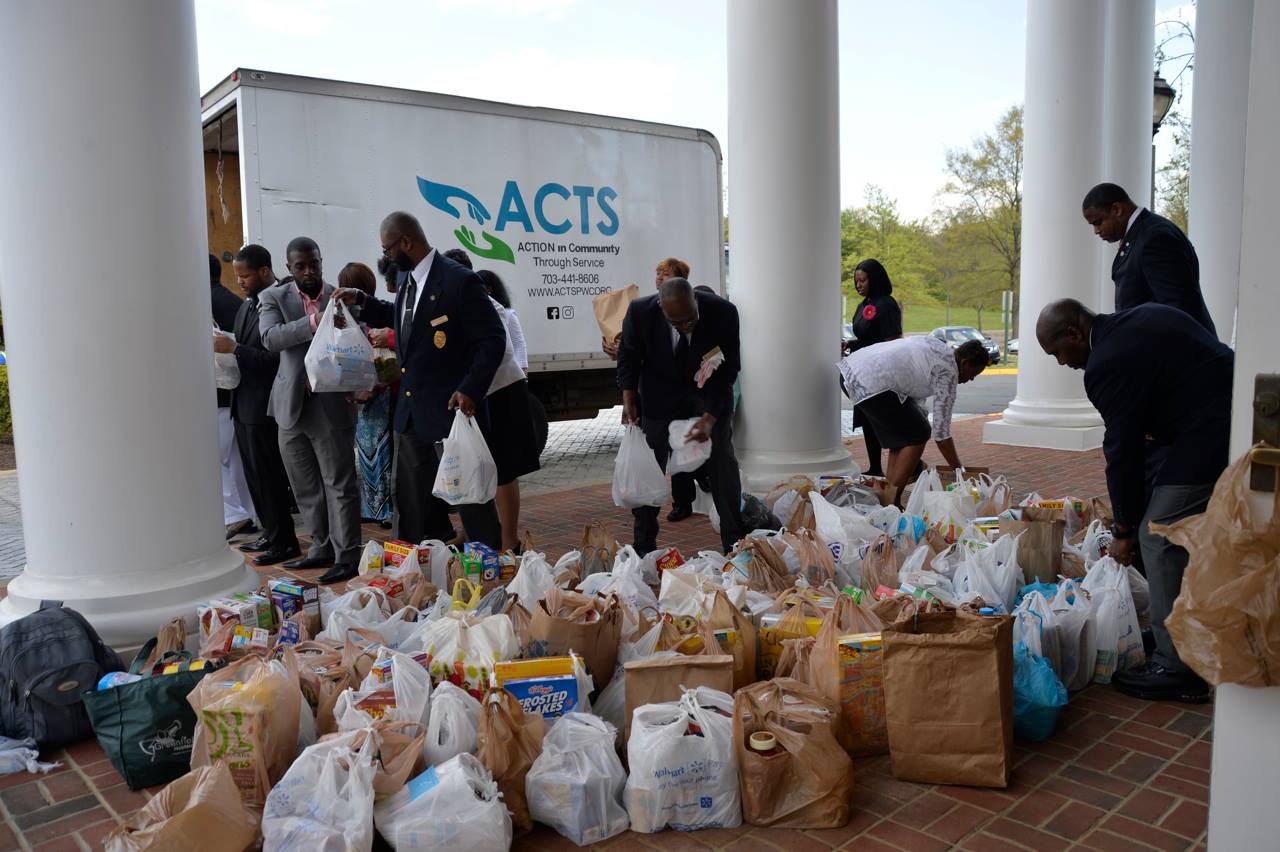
1155,262
1162,384
256,433
667,340
449,343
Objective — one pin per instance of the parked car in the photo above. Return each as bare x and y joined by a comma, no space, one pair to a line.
846,335
1013,346
957,334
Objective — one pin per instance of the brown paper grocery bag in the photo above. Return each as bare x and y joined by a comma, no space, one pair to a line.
508,741
767,571
200,810
589,625
880,564
810,783
658,679
611,309
948,688
1040,545
598,548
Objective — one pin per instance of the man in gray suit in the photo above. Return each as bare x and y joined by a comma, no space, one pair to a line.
317,430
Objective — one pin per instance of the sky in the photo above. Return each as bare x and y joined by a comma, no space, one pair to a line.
916,76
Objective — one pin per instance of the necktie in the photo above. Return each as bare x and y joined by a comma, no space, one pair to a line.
406,325
682,356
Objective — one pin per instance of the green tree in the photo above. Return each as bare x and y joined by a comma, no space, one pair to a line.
968,270
876,230
985,190
1173,182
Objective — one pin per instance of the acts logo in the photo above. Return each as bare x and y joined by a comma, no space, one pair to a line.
553,206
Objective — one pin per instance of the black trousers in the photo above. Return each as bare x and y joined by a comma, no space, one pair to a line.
721,471
268,483
684,486
420,514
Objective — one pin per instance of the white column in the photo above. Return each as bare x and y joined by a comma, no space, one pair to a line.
1246,747
1217,151
107,314
1126,118
784,199
1063,157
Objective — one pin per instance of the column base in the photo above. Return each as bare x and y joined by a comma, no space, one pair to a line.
763,469
1045,437
128,608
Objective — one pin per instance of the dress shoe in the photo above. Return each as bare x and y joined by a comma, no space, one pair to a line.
1153,682
339,572
254,546
308,562
679,512
271,557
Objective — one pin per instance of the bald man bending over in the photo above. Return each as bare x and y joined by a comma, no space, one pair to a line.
1151,370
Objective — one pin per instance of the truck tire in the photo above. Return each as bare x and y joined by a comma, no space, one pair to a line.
539,414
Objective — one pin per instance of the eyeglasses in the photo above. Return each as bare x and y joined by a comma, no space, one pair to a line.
386,250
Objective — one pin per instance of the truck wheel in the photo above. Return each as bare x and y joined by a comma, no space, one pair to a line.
539,414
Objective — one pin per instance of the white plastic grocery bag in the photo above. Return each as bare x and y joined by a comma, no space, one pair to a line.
637,478
575,785
410,683
371,558
1038,626
686,455
339,359
1077,632
462,649
226,369
455,718
532,580
1119,638
324,803
680,777
455,805
467,473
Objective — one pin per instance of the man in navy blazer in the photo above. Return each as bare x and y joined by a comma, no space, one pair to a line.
668,341
449,342
1155,261
1162,384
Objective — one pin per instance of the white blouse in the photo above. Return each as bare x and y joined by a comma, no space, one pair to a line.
911,367
509,371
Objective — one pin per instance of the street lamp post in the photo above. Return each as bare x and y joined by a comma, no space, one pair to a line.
1162,102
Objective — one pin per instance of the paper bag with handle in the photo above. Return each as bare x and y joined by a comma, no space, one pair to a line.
658,679
197,810
590,625
848,671
1040,538
961,735
806,781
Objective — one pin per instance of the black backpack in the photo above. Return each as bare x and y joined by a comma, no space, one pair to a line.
47,661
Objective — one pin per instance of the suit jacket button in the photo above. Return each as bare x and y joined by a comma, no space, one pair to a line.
408,393
403,369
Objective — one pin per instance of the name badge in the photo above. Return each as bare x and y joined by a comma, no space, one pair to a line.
439,339
440,320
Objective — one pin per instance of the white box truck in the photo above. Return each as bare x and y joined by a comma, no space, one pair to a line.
562,205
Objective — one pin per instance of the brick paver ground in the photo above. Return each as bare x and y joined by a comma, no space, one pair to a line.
1118,773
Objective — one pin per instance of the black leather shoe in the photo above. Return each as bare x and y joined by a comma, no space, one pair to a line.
1153,682
308,562
679,513
271,557
339,572
254,546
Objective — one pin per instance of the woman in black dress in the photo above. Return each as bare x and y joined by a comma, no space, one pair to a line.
877,318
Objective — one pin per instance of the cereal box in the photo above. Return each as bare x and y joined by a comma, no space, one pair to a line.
862,692
395,551
217,612
545,686
304,595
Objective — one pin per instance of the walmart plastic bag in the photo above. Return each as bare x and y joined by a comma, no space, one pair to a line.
1119,638
451,806
226,369
467,473
339,359
1077,634
991,573
637,478
399,674
324,803
684,768
451,731
1038,695
575,785
686,455
532,580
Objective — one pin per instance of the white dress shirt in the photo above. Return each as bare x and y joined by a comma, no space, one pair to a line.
911,367
419,274
1133,217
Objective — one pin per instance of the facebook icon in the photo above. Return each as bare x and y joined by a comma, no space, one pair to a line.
553,313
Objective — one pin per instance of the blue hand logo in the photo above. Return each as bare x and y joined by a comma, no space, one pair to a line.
438,195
